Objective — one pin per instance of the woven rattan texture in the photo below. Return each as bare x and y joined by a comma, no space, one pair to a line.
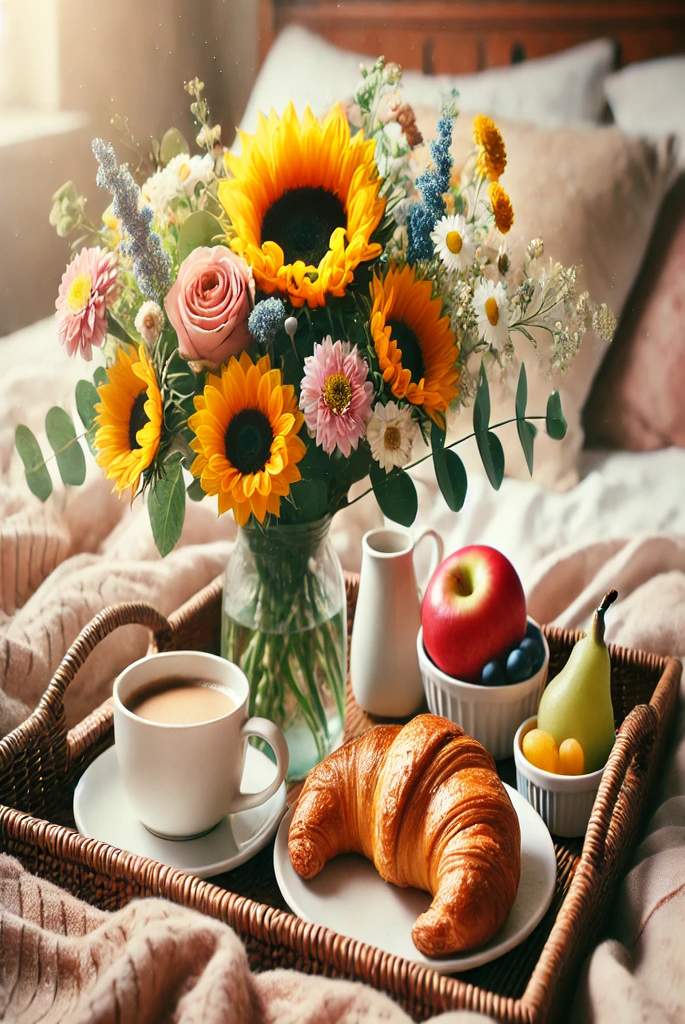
40,763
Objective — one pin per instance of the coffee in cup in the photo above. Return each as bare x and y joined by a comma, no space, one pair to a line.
180,731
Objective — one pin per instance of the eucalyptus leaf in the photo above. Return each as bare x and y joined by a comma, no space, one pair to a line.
555,419
451,477
86,400
194,491
395,494
171,145
492,457
100,376
527,432
166,506
61,434
200,228
437,437
481,406
116,329
37,475
521,393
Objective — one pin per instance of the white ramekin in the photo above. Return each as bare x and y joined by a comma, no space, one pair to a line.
491,714
564,802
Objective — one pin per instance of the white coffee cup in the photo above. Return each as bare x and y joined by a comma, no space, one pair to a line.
182,780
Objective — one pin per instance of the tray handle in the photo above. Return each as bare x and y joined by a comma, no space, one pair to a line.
47,722
635,735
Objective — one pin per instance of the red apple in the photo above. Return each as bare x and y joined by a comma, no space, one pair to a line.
474,610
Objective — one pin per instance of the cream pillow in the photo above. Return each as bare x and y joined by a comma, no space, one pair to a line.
593,195
566,87
649,98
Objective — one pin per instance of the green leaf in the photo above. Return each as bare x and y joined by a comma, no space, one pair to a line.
481,406
311,498
201,228
166,507
116,329
61,433
86,400
527,433
521,393
171,145
451,477
395,494
194,491
437,437
100,376
37,476
555,419
492,456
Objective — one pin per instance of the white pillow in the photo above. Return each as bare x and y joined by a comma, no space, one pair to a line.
562,89
649,98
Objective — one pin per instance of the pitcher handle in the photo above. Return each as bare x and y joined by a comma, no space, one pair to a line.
438,550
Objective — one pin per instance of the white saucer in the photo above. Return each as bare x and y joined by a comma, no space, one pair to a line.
102,811
351,898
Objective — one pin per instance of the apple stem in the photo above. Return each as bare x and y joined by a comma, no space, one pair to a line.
598,617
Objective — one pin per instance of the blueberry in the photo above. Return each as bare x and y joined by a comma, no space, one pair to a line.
493,674
519,666
534,649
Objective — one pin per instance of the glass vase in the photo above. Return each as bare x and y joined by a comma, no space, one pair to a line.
284,621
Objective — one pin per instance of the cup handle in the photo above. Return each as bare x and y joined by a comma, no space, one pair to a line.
438,551
266,730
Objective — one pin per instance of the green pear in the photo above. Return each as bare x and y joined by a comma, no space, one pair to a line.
577,703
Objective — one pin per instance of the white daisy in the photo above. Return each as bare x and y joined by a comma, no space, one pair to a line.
188,171
490,304
453,241
390,433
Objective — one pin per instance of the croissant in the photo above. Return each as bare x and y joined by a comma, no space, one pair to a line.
424,804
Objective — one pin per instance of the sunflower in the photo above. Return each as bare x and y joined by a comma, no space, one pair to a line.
303,202
246,442
416,348
129,419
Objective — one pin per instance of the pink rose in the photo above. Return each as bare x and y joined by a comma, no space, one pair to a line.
209,303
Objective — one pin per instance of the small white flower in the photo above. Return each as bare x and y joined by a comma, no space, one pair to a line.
490,304
188,171
390,433
452,239
180,177
149,322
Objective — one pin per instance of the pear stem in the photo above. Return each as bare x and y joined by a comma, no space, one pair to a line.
598,617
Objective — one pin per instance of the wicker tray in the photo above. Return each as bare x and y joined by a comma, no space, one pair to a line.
40,763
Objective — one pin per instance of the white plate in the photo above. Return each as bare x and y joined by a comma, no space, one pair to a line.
102,811
351,898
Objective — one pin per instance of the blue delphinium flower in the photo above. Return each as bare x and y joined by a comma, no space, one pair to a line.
265,320
151,264
432,185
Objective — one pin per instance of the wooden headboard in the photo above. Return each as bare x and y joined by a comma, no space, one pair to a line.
460,36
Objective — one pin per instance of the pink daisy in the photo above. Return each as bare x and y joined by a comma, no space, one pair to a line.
88,286
335,395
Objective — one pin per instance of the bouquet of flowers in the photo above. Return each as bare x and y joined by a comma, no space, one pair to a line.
286,319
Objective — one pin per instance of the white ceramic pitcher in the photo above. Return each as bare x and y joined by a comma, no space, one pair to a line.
384,667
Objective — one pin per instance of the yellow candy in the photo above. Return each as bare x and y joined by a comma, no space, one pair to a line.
571,758
541,750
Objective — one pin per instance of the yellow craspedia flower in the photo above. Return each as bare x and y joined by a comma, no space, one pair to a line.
501,207
246,442
492,153
129,417
415,345
303,202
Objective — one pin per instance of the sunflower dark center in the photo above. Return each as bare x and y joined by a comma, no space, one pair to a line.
408,344
248,441
302,222
137,419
